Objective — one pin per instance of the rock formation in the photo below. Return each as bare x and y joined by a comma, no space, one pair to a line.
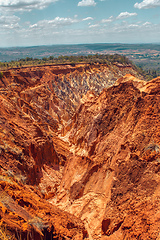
79,153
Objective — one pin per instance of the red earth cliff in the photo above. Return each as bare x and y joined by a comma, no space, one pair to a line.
112,181
79,153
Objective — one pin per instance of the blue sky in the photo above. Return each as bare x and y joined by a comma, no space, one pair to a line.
46,22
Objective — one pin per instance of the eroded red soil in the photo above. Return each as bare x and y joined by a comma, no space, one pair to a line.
79,153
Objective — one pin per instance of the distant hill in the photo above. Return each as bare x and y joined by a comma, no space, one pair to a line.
135,52
145,56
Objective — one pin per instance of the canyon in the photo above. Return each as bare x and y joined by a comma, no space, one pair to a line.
79,153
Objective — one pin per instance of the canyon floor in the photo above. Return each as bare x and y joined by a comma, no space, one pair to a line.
79,153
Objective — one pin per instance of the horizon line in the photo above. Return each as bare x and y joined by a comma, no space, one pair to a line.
71,44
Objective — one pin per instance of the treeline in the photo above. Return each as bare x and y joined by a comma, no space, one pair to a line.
97,58
90,59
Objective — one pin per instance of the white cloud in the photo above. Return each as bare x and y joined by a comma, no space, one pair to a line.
85,3
147,4
146,24
88,18
9,22
123,15
24,5
9,19
47,34
94,26
110,19
54,23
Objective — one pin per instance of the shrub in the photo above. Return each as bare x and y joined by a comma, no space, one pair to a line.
1,75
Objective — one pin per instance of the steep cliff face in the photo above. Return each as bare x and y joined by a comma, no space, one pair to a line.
36,103
79,153
57,90
112,181
26,215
